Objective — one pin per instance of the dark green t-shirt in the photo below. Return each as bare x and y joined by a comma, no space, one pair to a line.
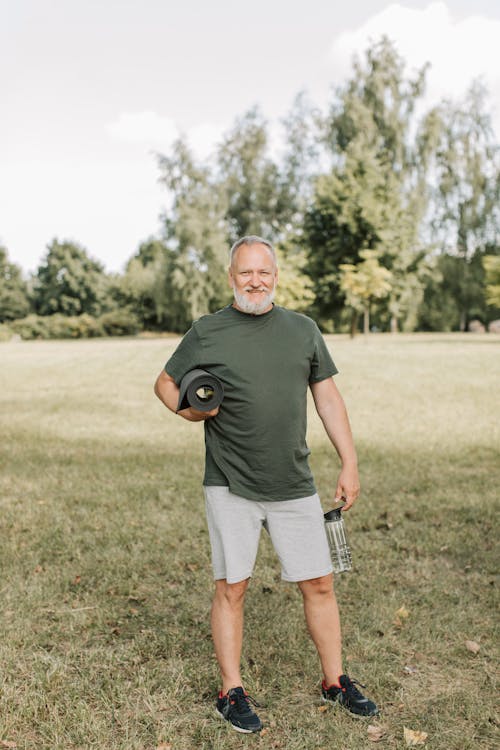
256,444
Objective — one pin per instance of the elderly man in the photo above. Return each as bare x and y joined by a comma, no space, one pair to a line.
257,471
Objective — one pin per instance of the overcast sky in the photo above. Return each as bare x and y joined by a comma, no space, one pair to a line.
90,88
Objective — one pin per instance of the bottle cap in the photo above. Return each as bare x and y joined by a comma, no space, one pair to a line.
333,515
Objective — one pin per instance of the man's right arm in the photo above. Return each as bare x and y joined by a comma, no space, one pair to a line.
167,391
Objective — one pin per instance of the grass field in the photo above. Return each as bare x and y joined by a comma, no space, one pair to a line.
106,582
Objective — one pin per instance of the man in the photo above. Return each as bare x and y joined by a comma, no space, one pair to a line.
257,471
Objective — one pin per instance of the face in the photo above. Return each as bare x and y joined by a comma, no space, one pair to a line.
253,278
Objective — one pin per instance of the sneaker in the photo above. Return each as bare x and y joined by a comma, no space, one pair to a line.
349,696
235,708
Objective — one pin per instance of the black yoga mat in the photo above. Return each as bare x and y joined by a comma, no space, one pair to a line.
201,390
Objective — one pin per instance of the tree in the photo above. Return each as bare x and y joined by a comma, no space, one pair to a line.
295,288
364,282
491,265
14,301
465,172
255,193
372,198
69,282
193,273
141,287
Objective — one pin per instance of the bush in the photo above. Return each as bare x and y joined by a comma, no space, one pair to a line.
115,323
119,323
57,327
6,333
31,327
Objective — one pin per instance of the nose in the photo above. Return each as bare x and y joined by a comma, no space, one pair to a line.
255,280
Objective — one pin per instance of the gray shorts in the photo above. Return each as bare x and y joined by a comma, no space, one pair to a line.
296,528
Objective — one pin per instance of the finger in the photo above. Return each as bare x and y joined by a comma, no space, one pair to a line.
339,493
348,503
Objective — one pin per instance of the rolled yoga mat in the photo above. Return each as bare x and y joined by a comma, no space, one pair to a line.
201,390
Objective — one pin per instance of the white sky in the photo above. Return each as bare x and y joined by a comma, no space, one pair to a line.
89,88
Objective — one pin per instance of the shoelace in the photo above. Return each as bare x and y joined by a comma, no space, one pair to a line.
241,700
352,689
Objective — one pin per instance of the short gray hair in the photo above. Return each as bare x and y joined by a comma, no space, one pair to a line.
251,239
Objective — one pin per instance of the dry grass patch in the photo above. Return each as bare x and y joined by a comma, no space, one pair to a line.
106,577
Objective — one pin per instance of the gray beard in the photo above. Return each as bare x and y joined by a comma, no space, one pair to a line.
252,308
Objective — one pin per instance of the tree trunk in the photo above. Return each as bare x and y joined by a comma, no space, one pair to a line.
354,323
394,324
366,320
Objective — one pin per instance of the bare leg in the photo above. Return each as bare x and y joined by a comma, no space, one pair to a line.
323,622
227,629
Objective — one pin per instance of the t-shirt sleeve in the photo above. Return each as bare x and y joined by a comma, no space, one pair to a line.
186,357
322,365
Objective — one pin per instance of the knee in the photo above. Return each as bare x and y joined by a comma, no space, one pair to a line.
232,593
317,587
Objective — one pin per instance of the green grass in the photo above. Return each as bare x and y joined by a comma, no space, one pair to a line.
106,580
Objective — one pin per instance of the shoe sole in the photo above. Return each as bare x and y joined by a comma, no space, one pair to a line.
351,713
237,729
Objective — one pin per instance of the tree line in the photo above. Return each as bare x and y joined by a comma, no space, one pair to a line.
384,217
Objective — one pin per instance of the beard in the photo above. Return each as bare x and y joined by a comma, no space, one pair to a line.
250,307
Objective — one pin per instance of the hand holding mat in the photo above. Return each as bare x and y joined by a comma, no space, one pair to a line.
201,390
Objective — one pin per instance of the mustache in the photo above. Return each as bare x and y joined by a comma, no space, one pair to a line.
252,289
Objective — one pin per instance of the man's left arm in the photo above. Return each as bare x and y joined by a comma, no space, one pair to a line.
333,413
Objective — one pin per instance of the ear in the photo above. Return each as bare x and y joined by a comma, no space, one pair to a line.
230,277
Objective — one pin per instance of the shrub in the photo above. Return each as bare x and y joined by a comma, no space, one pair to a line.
56,327
119,323
6,333
31,327
115,323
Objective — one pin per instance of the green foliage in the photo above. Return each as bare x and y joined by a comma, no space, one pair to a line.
256,197
364,282
119,323
372,198
69,282
457,282
14,301
192,273
465,169
142,287
294,289
57,326
6,333
491,264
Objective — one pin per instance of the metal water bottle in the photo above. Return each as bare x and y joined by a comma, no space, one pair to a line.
337,539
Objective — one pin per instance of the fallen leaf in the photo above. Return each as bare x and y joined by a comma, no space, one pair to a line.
402,613
413,737
375,733
38,569
164,746
472,646
321,708
409,669
77,580
263,732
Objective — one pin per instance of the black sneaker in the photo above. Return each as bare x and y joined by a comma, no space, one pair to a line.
235,707
349,696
